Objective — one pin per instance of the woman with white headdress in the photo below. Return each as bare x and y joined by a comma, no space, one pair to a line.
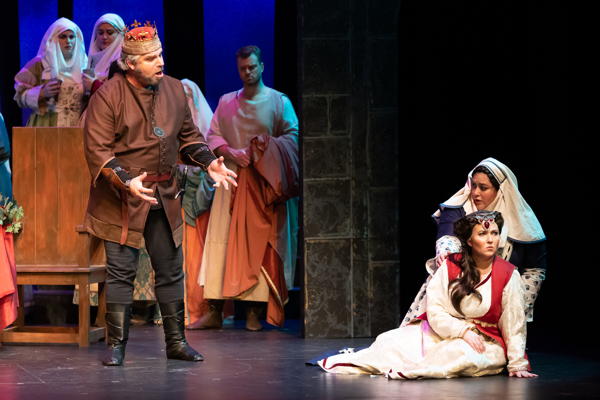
491,185
201,112
105,48
51,84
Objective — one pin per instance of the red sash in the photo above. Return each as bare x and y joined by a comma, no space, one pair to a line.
501,273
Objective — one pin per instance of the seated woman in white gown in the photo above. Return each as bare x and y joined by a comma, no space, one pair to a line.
474,324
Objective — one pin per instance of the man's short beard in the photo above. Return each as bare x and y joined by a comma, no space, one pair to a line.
145,81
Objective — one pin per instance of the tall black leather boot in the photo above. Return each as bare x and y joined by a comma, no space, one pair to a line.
174,327
117,324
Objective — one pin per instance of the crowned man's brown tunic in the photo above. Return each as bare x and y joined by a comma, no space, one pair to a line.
119,123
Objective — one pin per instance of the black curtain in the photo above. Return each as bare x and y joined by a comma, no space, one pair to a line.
9,50
286,49
285,73
183,40
493,79
65,9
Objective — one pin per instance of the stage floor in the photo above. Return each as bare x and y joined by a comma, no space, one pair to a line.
258,365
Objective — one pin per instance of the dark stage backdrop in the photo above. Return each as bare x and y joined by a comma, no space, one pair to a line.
501,79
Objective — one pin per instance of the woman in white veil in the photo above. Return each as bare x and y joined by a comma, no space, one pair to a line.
105,48
51,84
201,112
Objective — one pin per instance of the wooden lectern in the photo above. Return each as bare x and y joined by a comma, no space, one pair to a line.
51,182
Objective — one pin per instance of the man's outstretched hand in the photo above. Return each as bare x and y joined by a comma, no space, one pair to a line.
221,174
137,189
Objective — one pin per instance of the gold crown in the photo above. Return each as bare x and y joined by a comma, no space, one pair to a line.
138,32
141,39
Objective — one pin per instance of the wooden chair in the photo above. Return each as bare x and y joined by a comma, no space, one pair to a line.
51,182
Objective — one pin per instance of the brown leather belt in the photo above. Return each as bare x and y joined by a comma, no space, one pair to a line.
158,178
125,210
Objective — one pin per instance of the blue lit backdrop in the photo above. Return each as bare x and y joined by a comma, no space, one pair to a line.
86,12
34,18
229,25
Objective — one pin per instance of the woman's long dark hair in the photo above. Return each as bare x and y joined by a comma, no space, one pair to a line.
465,284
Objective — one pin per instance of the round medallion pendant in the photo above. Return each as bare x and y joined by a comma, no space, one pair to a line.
159,131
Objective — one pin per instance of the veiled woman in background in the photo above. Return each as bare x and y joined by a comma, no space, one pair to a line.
51,84
105,48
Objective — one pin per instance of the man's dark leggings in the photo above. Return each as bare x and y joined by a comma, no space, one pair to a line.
167,261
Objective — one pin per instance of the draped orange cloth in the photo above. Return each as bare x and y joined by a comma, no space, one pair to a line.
9,298
255,231
193,245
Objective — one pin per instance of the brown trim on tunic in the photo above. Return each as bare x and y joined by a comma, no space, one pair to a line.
100,169
189,144
109,232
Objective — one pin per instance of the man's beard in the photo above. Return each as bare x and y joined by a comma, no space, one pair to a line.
147,80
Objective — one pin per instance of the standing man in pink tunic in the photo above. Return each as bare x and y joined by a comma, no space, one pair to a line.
251,248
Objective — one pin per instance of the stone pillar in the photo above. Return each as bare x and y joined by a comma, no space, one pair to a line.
349,88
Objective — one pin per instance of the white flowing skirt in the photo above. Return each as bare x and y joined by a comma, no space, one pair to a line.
416,351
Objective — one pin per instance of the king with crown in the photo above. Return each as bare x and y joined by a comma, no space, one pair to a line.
138,124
